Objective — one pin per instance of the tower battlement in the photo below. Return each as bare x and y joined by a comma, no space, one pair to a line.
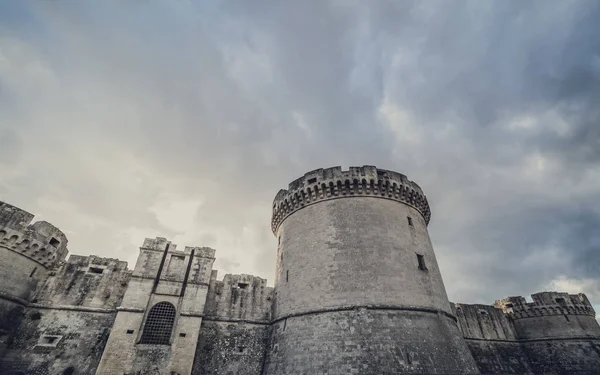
546,304
331,183
41,241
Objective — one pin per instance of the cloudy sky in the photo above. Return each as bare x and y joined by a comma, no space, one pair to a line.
121,120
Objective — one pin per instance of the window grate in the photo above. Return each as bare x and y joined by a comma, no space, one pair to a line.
159,324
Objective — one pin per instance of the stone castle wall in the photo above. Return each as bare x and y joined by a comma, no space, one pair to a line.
357,290
557,333
67,322
491,338
27,252
236,326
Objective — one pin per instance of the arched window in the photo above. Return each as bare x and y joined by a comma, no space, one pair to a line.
159,324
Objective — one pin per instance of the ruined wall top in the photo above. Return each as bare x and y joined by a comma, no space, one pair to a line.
546,304
239,298
161,243
330,183
483,322
89,281
40,241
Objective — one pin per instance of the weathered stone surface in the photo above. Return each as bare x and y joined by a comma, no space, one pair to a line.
368,341
227,348
357,291
79,340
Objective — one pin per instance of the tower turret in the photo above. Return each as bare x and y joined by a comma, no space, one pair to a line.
27,252
551,315
358,288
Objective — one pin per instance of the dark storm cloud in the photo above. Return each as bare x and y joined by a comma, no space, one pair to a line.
184,120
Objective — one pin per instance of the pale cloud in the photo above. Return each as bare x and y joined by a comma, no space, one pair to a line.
126,120
400,123
176,215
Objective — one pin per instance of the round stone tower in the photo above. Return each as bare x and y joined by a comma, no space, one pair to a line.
358,288
27,253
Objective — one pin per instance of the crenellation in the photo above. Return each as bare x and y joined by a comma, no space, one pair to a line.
484,322
14,217
86,281
158,243
239,297
330,183
41,241
203,252
546,304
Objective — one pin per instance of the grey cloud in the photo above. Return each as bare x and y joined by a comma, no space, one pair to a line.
228,102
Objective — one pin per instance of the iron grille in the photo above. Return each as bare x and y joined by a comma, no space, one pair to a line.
159,324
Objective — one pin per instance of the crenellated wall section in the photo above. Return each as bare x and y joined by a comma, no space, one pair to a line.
67,323
491,337
557,333
28,251
236,326
331,183
40,242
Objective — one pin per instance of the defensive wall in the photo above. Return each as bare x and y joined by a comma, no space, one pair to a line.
557,333
69,318
357,290
27,252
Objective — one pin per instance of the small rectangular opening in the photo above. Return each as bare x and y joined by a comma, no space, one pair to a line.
287,276
54,242
312,180
130,331
421,260
96,270
49,340
279,240
33,272
560,300
241,349
509,305
182,334
242,285
410,222
284,324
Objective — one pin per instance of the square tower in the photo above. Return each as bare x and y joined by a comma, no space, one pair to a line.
157,325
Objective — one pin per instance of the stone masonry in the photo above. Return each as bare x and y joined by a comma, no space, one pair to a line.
357,291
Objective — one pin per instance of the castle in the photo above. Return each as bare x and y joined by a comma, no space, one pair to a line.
357,291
